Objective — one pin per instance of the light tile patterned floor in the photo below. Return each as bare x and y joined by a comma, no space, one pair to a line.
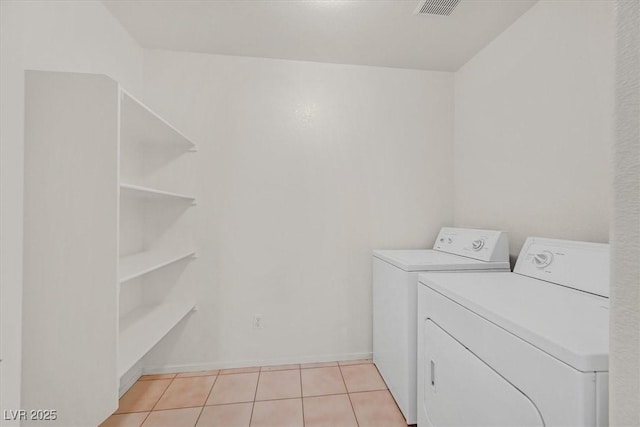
331,394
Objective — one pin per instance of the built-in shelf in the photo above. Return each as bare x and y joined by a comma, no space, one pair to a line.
140,124
141,263
153,193
98,149
144,327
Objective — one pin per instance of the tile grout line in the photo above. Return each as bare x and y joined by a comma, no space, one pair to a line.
318,395
207,398
211,391
144,410
149,413
173,409
389,391
301,396
165,390
274,368
318,367
145,418
349,397
291,398
199,415
239,372
255,394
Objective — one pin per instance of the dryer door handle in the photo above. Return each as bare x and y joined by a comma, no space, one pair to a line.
433,374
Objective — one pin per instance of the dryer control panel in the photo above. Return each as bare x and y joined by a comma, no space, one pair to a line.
484,245
578,265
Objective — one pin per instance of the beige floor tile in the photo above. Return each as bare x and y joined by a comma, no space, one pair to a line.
362,378
234,388
279,368
198,374
186,393
185,417
142,396
329,411
355,362
157,377
277,413
125,420
279,385
318,365
377,409
240,370
232,415
321,381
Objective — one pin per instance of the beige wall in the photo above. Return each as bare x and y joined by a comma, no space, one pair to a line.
303,169
625,230
61,36
533,126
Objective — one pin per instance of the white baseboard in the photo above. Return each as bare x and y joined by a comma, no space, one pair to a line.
165,369
129,379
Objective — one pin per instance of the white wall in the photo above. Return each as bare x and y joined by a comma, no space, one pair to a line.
63,36
625,230
533,126
303,168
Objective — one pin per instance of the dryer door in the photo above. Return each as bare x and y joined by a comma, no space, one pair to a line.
462,390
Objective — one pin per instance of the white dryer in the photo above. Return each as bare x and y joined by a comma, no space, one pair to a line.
528,348
395,277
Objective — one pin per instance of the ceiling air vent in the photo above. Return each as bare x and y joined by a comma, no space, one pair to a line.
436,7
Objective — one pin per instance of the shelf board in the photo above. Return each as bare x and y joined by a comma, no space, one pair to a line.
153,193
141,263
144,327
139,124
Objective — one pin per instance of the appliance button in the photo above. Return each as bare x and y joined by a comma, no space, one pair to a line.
543,259
477,244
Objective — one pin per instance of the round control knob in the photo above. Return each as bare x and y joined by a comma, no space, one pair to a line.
476,245
543,259
449,240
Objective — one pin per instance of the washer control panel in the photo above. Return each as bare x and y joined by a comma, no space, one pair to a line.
579,265
484,245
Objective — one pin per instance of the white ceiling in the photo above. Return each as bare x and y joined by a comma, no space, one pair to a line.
365,32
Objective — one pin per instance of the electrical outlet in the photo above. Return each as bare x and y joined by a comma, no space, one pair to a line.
257,321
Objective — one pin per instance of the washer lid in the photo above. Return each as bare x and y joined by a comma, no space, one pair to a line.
430,260
570,325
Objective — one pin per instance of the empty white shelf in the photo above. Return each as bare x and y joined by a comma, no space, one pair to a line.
139,124
144,327
141,263
152,193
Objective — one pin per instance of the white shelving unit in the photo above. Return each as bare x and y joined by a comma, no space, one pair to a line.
139,264
144,327
106,159
152,193
143,135
140,124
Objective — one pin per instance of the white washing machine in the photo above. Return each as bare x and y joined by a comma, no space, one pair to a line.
395,277
528,348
